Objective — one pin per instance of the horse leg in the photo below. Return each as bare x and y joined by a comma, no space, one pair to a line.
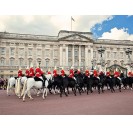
25,94
7,91
119,87
65,91
44,93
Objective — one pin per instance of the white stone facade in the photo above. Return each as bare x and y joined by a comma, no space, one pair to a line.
69,48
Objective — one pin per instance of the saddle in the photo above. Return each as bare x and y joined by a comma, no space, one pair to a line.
38,79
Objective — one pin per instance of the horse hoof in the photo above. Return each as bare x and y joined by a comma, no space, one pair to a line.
23,100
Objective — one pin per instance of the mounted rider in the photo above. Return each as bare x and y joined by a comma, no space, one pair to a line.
38,74
62,72
20,72
31,70
55,72
87,73
96,74
117,75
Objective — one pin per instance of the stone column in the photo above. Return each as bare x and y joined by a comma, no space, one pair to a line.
60,55
86,56
66,55
72,55
79,55
7,61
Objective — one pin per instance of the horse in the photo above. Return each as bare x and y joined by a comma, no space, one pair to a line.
11,85
117,82
79,82
61,83
1,83
31,83
88,81
109,81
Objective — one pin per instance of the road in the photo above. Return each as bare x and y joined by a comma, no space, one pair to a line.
118,103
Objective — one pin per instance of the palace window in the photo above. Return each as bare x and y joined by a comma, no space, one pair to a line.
2,50
121,54
30,51
21,52
12,51
55,62
83,51
47,61
55,53
12,61
47,53
69,62
30,61
39,52
114,54
21,61
2,61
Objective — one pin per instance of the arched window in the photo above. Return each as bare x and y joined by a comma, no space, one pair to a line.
12,61
21,61
30,61
2,61
47,62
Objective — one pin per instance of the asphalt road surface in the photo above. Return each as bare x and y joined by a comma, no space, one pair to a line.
118,103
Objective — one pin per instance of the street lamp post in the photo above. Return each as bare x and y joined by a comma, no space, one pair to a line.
92,64
101,50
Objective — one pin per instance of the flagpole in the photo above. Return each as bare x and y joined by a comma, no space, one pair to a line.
71,23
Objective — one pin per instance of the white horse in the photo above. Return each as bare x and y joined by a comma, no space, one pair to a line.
11,85
31,83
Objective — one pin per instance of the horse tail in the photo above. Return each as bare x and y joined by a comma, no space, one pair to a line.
8,86
16,85
24,87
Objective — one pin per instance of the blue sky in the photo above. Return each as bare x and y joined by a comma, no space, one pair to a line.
120,22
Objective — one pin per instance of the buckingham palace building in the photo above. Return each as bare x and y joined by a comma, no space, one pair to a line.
69,48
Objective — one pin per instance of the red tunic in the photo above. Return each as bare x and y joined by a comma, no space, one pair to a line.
19,73
62,72
71,72
116,74
38,74
108,74
55,71
87,71
94,72
27,72
49,72
129,73
38,70
71,75
31,72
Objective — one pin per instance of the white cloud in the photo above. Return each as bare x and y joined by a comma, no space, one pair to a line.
49,24
117,34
